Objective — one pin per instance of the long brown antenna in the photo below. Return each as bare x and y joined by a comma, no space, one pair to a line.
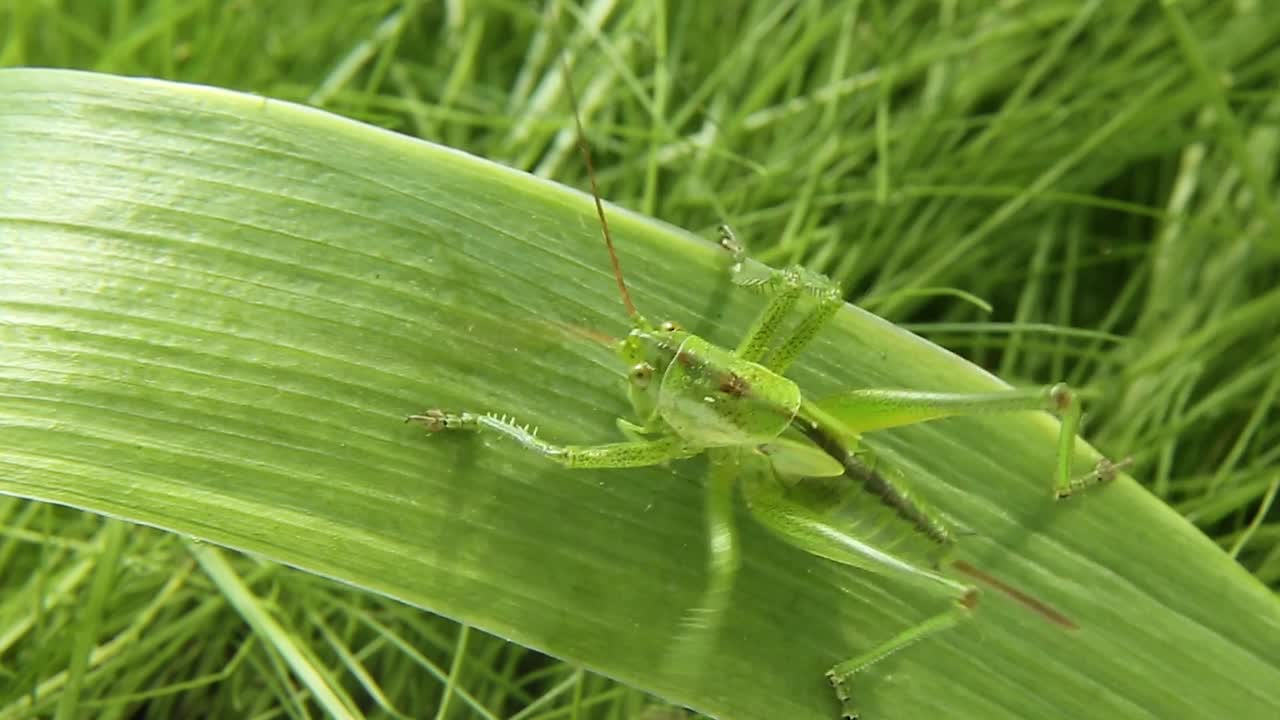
1037,606
595,193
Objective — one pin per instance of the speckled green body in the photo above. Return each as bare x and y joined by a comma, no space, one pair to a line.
709,396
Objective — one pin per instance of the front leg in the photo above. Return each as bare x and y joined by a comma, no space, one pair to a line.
784,288
640,453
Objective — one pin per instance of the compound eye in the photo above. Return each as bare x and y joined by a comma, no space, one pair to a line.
669,326
641,374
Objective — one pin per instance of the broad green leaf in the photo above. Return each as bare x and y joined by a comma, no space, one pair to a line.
216,310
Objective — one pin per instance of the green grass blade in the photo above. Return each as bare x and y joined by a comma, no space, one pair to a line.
216,309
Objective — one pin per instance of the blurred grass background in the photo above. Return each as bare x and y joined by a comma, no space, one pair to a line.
1079,191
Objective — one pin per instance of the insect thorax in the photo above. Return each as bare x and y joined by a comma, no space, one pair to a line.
713,399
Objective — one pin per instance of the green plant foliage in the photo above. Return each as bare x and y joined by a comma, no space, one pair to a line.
216,309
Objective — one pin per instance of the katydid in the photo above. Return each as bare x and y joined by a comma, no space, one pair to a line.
799,463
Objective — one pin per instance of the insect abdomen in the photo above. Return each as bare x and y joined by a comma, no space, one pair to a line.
875,481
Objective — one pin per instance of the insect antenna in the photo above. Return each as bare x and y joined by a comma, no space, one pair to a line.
1039,607
595,194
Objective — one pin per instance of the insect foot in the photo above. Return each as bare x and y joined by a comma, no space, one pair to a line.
438,420
729,242
1104,472
847,712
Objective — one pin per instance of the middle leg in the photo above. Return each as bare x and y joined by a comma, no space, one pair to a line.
634,453
701,624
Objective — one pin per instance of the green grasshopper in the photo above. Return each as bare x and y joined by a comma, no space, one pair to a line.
802,470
